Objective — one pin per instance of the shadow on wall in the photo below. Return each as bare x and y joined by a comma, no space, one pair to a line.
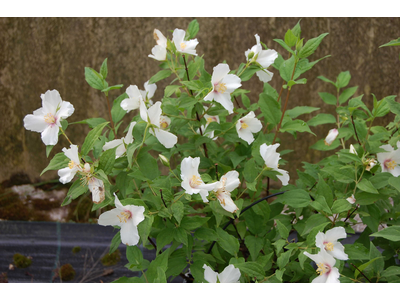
40,54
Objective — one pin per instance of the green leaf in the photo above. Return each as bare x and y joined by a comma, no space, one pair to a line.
297,29
170,89
391,43
343,79
322,119
103,69
391,271
164,237
117,112
270,109
180,235
58,162
366,186
92,137
115,242
283,259
340,205
328,98
250,171
254,244
74,192
283,44
290,38
134,255
296,126
362,267
286,68
192,30
300,110
326,80
107,160
160,75
295,198
394,106
94,79
191,223
282,229
251,268
178,211
148,165
249,72
311,45
227,242
346,94
114,87
391,233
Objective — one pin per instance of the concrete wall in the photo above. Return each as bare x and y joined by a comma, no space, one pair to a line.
38,54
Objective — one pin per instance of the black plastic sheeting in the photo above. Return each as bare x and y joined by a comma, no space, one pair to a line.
50,246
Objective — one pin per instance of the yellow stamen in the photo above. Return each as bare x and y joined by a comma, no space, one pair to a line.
209,120
164,125
71,164
244,125
124,217
322,269
183,46
49,119
221,87
329,246
195,181
390,164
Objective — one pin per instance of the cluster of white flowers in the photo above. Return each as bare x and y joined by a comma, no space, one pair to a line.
330,249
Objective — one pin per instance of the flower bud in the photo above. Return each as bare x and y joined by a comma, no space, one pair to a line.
86,168
353,150
351,199
251,54
164,160
332,134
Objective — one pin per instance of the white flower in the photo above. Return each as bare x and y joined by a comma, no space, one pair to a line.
66,174
159,51
332,134
96,187
148,93
248,125
191,180
181,45
328,242
271,159
325,263
351,199
390,160
135,97
120,143
263,57
226,185
229,275
127,217
47,118
209,119
223,85
370,163
159,123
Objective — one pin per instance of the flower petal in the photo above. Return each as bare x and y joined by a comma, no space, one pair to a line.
129,234
51,100
225,100
229,275
66,110
209,274
137,213
110,218
332,235
167,139
66,174
50,135
264,75
35,123
219,72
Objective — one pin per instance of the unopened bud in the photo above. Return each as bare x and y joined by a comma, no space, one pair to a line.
86,168
251,54
164,160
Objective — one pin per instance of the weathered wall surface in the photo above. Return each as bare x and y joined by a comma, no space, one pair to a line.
40,54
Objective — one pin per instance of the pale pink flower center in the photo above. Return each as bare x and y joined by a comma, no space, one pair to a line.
124,216
328,246
390,164
220,87
323,268
50,119
183,45
195,181
243,124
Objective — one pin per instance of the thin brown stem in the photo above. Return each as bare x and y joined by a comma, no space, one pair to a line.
361,272
110,116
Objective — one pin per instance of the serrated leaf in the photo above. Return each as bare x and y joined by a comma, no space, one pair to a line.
395,42
300,110
227,242
366,186
192,30
115,242
343,79
178,211
322,119
296,126
251,268
107,160
295,198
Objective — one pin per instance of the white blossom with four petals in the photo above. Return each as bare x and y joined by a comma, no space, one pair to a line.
47,118
159,51
226,185
127,217
271,159
229,275
120,143
148,93
178,37
328,241
390,160
263,57
325,267
158,123
248,125
223,84
191,180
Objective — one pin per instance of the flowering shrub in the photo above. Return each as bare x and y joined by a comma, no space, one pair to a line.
190,177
